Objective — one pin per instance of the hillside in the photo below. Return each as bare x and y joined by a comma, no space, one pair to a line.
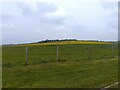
65,42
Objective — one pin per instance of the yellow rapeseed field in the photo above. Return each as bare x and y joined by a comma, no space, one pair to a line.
66,42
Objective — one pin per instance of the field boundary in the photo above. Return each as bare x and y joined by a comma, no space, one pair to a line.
109,86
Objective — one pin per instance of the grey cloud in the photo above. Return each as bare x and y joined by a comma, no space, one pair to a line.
109,5
112,19
55,21
33,22
6,17
40,14
25,9
36,25
119,12
42,8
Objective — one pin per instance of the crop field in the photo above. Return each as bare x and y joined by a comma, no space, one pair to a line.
80,65
66,43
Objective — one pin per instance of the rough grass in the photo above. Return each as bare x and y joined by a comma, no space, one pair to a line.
95,74
74,69
40,54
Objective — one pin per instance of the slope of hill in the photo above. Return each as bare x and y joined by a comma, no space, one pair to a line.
65,42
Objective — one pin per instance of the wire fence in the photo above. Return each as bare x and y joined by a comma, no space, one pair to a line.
17,55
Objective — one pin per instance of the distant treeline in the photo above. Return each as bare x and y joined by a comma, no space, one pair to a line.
56,40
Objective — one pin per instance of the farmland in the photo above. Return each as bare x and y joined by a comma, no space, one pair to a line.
80,65
66,43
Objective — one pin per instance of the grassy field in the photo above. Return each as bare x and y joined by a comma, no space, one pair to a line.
75,69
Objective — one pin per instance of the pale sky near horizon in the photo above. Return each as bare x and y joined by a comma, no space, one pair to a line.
24,22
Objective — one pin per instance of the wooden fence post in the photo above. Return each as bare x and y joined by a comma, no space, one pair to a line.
112,51
89,53
26,56
57,54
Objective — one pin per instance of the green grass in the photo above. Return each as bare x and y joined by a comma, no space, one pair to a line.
37,54
74,69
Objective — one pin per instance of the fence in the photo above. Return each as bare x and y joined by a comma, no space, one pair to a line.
73,53
43,54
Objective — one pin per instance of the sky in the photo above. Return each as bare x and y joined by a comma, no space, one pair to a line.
25,22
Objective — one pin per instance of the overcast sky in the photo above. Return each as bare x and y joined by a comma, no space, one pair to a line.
24,22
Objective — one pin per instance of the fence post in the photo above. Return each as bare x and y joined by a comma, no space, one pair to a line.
89,53
26,56
57,54
112,51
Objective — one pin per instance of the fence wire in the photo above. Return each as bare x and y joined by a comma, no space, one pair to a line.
16,55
